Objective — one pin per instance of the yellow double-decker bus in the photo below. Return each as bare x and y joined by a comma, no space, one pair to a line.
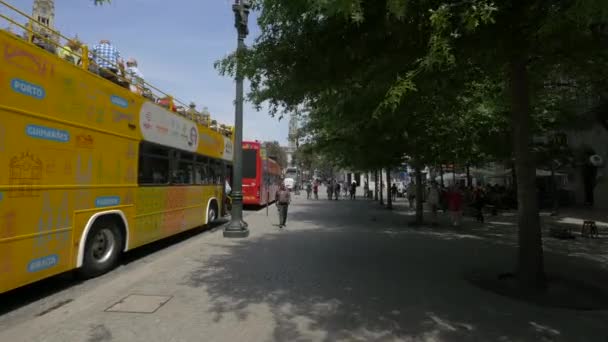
89,169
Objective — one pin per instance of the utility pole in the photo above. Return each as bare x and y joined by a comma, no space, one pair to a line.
237,228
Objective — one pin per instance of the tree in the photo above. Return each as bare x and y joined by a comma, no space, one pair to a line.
276,152
397,79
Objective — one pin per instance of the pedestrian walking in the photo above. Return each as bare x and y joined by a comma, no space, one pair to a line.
308,190
353,190
315,190
337,190
394,192
283,199
411,194
433,199
479,199
330,190
455,199
366,190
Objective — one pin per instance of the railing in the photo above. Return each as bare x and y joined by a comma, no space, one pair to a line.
47,38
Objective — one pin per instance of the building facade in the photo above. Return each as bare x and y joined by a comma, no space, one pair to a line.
43,12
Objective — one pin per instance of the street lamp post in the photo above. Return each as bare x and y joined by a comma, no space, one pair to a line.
237,228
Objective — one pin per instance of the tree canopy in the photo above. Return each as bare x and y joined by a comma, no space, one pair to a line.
276,152
432,81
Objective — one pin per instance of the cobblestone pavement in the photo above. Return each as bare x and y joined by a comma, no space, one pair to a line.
341,271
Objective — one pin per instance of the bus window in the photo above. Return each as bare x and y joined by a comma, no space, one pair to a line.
153,165
184,172
202,167
218,172
199,176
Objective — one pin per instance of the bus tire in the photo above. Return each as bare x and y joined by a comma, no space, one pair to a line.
212,212
102,248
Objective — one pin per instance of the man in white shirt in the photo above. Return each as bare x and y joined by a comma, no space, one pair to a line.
283,199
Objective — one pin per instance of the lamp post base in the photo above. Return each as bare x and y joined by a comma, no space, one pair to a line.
236,229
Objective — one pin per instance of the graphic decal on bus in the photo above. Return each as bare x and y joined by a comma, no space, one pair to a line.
29,89
107,201
160,126
43,263
119,101
228,150
25,170
193,139
47,133
54,215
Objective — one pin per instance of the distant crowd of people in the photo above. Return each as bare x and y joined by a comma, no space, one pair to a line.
455,199
335,189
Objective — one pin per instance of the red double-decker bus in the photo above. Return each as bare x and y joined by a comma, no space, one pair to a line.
261,175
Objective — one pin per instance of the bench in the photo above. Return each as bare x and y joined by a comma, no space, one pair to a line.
589,229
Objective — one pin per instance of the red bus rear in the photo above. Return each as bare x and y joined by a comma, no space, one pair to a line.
261,175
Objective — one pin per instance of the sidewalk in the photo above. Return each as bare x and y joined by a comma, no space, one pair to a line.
341,271
502,228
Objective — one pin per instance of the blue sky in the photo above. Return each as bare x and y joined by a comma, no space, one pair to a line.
176,43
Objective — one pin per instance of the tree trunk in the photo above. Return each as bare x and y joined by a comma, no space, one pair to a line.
454,174
554,190
514,175
441,176
366,182
530,270
381,188
469,178
389,193
375,185
419,195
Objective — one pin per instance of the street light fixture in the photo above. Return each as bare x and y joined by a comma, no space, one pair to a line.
237,228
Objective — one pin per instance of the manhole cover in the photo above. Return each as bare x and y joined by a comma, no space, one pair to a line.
139,304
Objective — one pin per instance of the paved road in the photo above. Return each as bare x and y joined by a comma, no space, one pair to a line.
341,271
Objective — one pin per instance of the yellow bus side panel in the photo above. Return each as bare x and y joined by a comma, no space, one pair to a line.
43,182
69,143
34,238
66,144
165,211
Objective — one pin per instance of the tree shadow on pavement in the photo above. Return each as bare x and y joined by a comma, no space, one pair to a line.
368,282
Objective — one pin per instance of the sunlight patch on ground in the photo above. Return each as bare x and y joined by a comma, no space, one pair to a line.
444,324
501,223
509,214
327,308
451,235
544,329
579,221
305,328
365,334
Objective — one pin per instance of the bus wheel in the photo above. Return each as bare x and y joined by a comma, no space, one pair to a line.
212,213
102,248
